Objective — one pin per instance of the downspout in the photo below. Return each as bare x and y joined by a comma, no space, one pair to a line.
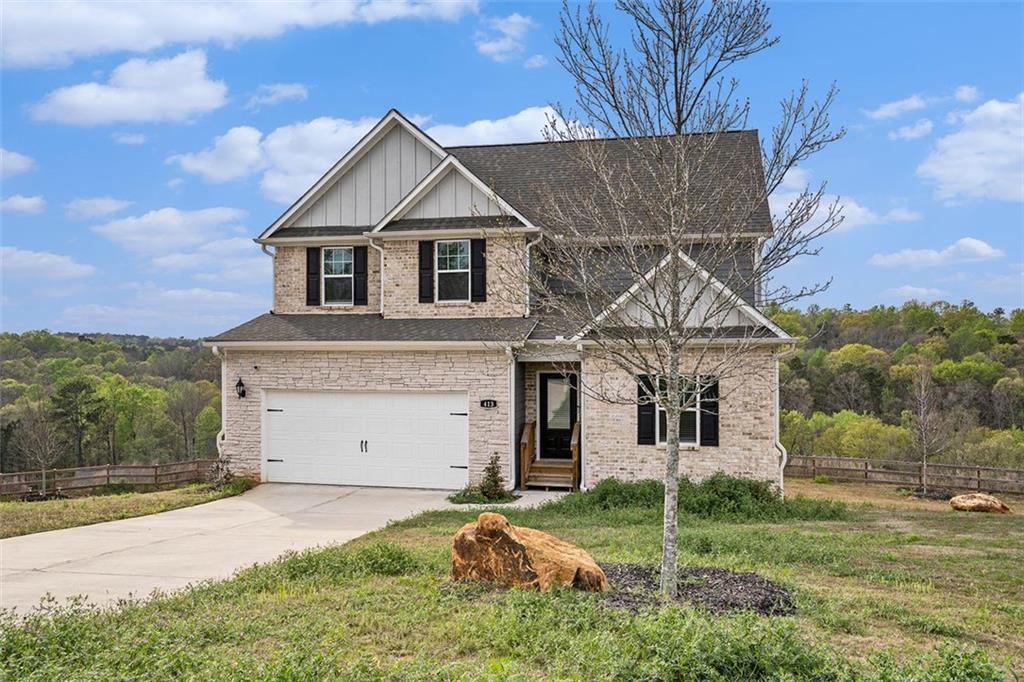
783,454
223,397
580,395
529,243
511,485
270,253
380,251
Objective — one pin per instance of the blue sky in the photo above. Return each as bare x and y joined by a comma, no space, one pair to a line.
145,145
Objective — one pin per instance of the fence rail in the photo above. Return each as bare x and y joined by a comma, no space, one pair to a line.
899,472
85,478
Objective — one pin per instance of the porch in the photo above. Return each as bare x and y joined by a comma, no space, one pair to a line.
549,422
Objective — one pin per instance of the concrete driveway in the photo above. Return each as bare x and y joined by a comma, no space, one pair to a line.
108,561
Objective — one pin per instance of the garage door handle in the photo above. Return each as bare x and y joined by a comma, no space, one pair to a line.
274,409
459,414
275,460
455,466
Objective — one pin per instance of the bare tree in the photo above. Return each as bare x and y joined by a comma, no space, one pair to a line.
185,401
663,191
40,438
931,430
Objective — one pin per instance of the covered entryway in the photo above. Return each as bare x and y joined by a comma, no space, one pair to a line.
394,439
549,443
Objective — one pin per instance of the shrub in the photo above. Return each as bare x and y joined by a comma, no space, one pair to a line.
491,489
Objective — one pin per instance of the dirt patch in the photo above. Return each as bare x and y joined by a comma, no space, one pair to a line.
635,586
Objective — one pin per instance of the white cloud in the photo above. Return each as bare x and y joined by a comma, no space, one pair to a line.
909,291
17,203
133,139
965,250
506,38
19,263
12,163
901,214
235,259
536,61
897,108
985,158
966,93
170,228
94,207
139,90
175,183
235,154
525,126
37,35
269,95
912,132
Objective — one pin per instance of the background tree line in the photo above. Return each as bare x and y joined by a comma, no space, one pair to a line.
77,400
881,383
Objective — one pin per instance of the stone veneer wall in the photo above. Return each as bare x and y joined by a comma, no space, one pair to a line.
747,422
290,283
506,296
482,374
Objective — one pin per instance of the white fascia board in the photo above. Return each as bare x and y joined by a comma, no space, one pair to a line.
391,119
430,181
313,241
364,345
720,287
453,234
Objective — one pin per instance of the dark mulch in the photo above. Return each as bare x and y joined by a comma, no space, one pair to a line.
939,494
635,586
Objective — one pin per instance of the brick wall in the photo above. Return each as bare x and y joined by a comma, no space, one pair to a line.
746,428
482,374
505,296
290,283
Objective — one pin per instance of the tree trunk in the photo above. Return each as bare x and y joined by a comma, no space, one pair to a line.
924,474
79,454
670,521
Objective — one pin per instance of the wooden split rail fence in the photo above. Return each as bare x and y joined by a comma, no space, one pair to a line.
910,474
85,478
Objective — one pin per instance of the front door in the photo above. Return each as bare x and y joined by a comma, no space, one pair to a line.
558,407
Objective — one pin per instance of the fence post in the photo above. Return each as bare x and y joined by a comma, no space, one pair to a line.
865,470
814,467
920,475
978,486
108,475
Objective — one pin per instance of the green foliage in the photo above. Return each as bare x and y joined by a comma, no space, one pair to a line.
719,497
490,490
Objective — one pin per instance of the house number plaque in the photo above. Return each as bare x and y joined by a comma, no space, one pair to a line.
488,404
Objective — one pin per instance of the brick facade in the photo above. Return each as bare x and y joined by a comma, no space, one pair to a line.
290,283
482,374
747,422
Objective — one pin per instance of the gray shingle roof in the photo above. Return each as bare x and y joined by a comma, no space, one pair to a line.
323,231
372,327
523,174
451,223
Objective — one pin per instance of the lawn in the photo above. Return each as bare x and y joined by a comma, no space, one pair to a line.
891,591
22,518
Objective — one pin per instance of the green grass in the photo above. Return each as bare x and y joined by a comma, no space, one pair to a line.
881,594
473,495
22,518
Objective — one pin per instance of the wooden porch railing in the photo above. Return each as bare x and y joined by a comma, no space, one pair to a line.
527,448
574,445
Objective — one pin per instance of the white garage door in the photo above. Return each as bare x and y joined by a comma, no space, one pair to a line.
409,440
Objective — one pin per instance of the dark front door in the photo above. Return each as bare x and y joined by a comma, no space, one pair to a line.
557,414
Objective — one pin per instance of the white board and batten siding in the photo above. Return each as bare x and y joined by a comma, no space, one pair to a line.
374,184
388,438
703,307
454,196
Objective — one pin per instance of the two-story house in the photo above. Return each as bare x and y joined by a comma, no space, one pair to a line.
399,352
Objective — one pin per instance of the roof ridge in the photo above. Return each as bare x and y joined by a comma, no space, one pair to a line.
600,139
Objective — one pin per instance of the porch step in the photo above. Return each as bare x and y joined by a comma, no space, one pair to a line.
549,480
552,467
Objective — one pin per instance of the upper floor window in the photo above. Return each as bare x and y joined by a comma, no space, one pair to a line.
337,271
452,270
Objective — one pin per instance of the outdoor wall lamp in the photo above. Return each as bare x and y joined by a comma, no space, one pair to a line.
240,388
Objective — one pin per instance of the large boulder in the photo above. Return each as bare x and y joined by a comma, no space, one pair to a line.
979,502
493,550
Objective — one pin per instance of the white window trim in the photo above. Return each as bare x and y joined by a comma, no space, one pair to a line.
659,410
437,272
324,277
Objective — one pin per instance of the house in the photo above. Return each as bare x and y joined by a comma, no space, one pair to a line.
398,354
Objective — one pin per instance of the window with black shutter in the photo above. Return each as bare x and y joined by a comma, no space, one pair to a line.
359,275
698,421
313,275
645,409
709,412
478,270
426,272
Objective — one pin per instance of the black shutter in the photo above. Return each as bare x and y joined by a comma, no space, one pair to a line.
645,411
478,270
313,275
426,272
709,415
359,275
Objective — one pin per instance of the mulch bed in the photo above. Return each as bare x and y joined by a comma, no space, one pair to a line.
938,494
635,586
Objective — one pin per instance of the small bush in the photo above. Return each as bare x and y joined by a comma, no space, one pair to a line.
717,497
824,480
491,489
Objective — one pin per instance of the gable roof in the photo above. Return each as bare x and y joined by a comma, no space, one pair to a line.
520,173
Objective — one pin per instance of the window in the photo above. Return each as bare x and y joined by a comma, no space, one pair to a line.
689,421
337,275
453,270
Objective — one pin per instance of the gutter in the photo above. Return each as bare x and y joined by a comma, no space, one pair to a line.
490,345
223,397
380,251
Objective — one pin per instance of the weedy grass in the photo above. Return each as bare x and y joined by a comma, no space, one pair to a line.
22,518
876,601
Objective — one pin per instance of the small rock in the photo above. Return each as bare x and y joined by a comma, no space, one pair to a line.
979,502
493,550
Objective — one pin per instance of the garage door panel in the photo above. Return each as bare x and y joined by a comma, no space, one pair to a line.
411,439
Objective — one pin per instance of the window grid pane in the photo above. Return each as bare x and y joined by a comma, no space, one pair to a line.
452,256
